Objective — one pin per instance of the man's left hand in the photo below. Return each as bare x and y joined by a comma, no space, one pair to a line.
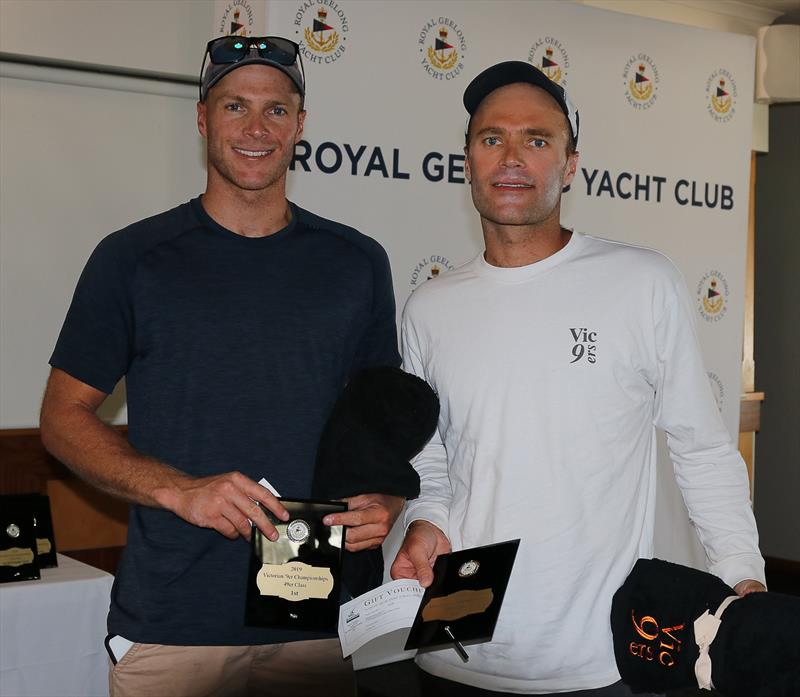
369,519
748,586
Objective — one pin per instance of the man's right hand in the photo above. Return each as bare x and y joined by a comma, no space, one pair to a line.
423,543
225,502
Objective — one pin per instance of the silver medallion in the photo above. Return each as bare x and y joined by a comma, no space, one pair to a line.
298,530
469,568
13,530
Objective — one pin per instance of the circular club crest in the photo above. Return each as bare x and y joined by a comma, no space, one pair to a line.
13,530
641,81
428,268
469,568
237,19
721,94
549,55
712,296
321,30
298,530
717,388
442,44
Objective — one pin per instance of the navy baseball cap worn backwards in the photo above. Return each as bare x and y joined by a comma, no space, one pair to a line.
511,72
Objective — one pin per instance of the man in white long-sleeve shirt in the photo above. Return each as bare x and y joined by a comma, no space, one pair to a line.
555,356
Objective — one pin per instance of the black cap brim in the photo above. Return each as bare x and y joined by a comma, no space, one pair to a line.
215,73
511,72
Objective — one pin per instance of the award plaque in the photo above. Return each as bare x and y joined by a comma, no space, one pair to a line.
45,536
295,582
39,505
462,604
18,551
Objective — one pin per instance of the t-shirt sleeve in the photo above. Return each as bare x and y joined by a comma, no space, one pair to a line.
378,345
95,345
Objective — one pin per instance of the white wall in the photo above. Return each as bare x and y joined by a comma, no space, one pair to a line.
79,161
720,15
165,36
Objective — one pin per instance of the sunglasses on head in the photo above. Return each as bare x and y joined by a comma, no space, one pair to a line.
232,49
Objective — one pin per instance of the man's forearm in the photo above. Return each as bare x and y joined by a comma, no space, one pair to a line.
228,502
99,454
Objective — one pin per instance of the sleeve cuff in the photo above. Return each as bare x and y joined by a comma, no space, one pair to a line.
739,568
433,513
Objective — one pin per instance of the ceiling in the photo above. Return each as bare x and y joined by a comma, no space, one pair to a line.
756,13
777,5
789,9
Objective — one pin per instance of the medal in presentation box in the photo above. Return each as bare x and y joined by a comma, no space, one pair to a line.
462,604
295,582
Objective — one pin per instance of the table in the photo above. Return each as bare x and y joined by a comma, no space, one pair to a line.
52,631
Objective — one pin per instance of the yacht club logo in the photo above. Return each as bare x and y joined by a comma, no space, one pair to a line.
721,94
549,55
321,27
237,19
712,296
428,268
641,81
442,44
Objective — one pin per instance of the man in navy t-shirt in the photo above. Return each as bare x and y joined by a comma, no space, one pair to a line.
235,319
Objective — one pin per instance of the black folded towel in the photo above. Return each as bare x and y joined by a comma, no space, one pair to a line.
756,652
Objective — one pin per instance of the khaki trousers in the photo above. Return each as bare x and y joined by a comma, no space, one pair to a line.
301,668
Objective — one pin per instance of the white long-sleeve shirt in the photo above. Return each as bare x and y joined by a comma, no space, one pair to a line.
552,380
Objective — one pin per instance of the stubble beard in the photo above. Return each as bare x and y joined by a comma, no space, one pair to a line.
542,208
228,173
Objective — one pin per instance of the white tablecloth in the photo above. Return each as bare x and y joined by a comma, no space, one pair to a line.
52,631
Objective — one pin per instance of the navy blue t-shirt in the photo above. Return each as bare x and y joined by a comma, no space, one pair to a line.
234,350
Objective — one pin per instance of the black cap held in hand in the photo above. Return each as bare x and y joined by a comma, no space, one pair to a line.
382,419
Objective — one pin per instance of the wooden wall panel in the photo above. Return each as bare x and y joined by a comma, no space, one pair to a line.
85,518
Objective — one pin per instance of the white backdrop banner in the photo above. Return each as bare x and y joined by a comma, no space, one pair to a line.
666,115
